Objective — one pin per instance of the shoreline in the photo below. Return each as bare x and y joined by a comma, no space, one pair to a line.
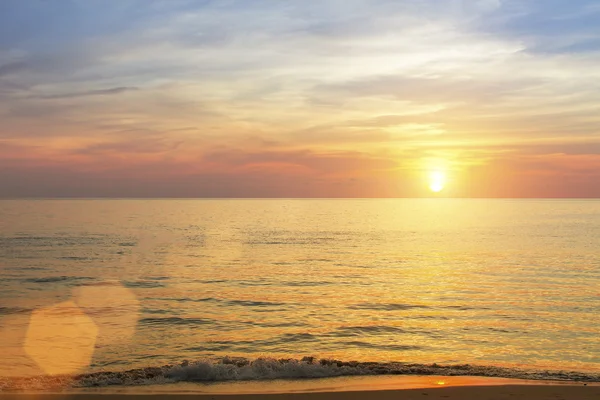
244,371
356,388
498,392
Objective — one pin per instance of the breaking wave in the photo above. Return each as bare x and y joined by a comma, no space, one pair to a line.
242,369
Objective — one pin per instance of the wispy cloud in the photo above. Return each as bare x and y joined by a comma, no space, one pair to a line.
11,68
99,92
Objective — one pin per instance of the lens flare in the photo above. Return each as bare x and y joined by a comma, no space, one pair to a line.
61,339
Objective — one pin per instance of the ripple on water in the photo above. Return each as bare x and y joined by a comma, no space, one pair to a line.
56,279
146,284
386,306
168,321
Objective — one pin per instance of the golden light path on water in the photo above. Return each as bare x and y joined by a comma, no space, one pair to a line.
97,285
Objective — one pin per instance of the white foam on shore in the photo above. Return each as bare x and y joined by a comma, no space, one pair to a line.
264,369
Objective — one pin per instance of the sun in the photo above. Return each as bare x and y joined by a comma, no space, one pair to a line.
437,181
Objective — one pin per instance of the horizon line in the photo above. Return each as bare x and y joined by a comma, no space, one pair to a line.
293,198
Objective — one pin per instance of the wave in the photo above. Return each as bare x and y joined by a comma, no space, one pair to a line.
242,369
51,241
241,303
175,321
55,279
14,310
386,307
144,284
248,303
400,307
349,331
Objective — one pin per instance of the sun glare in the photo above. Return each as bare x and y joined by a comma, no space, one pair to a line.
437,181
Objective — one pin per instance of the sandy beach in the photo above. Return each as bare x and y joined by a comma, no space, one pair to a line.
346,388
513,392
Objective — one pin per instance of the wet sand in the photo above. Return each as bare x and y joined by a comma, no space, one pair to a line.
543,392
371,388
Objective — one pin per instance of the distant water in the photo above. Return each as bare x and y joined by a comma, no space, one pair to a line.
497,283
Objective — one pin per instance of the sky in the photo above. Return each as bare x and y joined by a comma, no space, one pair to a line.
293,98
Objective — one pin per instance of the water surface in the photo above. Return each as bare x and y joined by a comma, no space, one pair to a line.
509,283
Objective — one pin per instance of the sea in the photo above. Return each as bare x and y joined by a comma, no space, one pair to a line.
98,292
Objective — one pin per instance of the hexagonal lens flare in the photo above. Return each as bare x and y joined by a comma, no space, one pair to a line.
61,338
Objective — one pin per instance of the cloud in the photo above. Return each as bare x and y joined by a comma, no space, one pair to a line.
431,90
220,173
326,92
346,163
550,26
137,146
99,92
11,68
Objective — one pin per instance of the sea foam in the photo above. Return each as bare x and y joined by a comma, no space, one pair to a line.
242,369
